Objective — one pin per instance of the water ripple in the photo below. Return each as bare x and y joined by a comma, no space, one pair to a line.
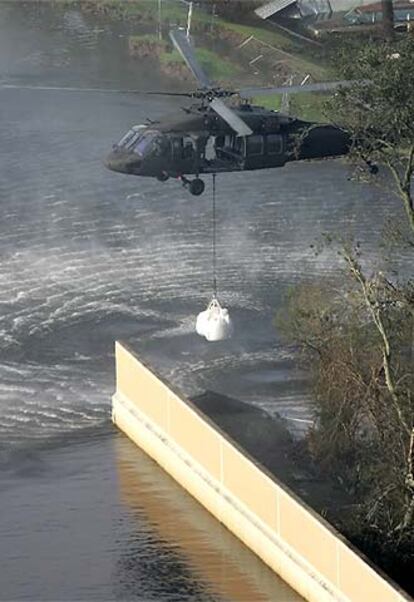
88,256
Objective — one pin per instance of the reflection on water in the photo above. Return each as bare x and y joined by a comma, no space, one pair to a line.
221,563
93,518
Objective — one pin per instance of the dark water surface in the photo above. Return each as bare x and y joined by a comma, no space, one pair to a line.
87,256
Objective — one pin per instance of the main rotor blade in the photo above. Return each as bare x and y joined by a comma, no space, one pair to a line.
320,87
66,89
230,117
186,50
186,94
80,89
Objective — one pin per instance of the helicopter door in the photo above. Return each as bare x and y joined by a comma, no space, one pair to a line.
177,146
230,148
255,155
239,146
275,150
184,153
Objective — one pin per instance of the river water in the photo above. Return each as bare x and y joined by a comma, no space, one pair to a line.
88,256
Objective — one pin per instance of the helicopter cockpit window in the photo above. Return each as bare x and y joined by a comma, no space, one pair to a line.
144,143
131,136
150,142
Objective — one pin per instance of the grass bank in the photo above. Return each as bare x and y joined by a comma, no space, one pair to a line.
276,46
307,106
219,69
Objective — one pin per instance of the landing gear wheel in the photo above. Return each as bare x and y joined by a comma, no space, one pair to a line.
162,177
197,186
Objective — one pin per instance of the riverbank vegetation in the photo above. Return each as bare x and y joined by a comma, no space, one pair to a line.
146,46
307,106
235,48
270,57
173,13
219,69
356,334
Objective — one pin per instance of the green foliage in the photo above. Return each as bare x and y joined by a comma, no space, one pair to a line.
148,37
216,67
149,9
269,102
151,42
378,111
306,106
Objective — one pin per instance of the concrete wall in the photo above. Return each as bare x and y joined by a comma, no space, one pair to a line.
289,537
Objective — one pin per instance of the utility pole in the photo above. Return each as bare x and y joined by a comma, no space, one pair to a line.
388,19
213,14
189,15
159,20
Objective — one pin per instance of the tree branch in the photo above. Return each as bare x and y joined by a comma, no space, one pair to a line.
375,312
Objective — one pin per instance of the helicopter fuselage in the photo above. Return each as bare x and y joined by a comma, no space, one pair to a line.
199,141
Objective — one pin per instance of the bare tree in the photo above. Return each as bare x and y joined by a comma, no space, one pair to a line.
357,337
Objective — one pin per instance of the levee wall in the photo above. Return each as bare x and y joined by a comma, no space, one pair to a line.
288,536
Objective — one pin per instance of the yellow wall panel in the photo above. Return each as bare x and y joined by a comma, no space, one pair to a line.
195,436
308,537
250,485
141,387
360,583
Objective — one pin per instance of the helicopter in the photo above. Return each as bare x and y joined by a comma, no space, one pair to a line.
212,137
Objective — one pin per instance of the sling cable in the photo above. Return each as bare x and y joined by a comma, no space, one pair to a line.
214,323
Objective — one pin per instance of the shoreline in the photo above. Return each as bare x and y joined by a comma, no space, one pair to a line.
249,52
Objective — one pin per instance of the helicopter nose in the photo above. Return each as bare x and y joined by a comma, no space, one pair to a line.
123,162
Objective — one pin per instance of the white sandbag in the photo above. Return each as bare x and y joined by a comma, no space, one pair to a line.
214,323
202,323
